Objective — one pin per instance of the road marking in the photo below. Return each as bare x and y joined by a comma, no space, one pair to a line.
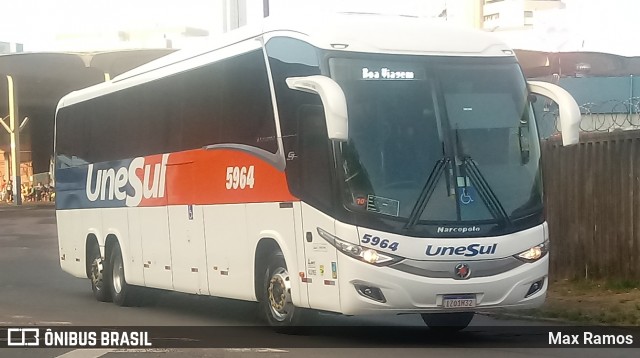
95,353
86,353
256,350
43,323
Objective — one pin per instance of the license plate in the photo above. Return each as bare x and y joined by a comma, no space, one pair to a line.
459,301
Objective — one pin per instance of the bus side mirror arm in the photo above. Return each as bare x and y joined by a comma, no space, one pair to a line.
333,100
569,116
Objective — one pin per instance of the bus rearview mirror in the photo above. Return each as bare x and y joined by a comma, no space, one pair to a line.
569,112
333,100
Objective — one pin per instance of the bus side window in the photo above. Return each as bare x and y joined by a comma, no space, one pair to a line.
290,57
315,160
247,116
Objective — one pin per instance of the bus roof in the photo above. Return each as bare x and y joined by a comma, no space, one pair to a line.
370,33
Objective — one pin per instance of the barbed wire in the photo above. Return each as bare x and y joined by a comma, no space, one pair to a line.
604,116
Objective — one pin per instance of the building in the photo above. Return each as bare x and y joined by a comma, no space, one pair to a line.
464,13
515,14
141,37
10,47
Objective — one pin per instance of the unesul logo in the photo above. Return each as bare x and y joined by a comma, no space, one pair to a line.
466,251
111,183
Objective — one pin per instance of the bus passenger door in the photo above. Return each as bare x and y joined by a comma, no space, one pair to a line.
315,165
321,264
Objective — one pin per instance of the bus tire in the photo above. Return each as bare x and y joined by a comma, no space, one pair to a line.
276,305
121,292
97,272
449,322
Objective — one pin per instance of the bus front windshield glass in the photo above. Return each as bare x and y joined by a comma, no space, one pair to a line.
439,140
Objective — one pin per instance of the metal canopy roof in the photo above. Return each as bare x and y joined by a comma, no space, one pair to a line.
41,79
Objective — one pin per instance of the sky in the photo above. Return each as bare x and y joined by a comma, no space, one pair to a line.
37,23
600,25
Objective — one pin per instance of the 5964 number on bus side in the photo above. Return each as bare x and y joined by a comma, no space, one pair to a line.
240,177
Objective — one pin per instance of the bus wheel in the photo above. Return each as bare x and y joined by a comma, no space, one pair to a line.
276,304
451,322
120,290
99,287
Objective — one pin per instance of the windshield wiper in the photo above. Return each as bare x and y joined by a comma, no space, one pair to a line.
487,195
484,189
427,190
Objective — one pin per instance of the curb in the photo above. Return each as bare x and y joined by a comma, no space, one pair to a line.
27,206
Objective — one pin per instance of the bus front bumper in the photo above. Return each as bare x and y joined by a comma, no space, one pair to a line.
384,290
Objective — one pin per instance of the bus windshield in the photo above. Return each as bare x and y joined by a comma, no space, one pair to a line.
435,140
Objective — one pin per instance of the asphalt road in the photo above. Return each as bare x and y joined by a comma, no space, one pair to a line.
34,291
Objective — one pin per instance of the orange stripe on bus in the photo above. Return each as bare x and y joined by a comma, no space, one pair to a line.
201,177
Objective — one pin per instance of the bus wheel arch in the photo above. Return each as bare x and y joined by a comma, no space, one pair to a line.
109,243
114,277
96,268
273,289
265,248
91,245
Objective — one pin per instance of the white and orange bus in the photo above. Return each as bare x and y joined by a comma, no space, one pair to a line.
359,164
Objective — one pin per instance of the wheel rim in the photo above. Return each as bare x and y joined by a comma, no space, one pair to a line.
96,272
279,289
118,273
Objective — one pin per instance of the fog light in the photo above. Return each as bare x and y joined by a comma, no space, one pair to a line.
535,288
372,293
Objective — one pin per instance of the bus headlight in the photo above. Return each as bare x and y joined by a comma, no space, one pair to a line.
534,253
361,253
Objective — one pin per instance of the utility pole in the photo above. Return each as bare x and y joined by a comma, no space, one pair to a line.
265,8
14,131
